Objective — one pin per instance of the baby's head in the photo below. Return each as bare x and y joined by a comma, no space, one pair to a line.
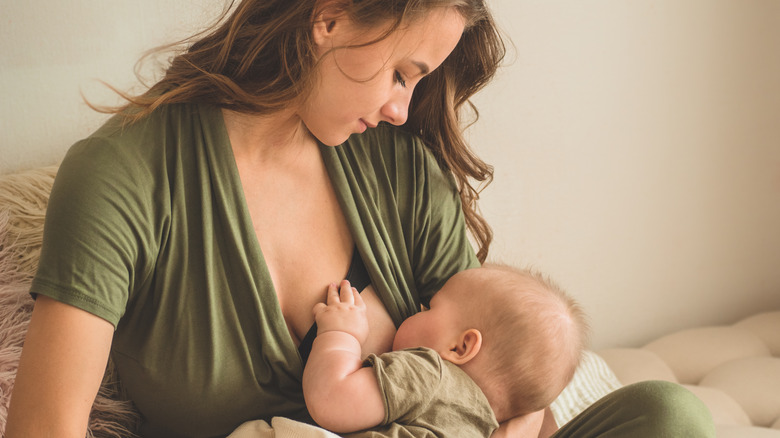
516,334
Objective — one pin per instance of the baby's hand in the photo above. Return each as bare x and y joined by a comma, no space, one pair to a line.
344,311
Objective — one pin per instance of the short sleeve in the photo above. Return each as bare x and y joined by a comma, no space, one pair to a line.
96,231
408,380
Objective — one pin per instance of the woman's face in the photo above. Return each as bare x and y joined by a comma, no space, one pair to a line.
359,87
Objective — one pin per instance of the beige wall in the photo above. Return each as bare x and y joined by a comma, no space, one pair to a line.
54,51
636,144
637,153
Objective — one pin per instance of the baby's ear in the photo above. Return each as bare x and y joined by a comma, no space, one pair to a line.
467,345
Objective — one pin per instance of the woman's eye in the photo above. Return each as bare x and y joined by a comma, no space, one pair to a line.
400,79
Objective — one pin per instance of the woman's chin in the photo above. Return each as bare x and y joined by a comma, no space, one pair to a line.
332,139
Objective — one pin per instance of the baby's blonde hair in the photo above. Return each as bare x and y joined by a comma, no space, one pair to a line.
533,335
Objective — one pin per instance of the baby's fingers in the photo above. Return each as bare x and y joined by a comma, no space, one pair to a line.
318,308
333,294
347,294
358,299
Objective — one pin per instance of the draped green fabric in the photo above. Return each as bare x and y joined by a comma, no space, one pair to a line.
147,227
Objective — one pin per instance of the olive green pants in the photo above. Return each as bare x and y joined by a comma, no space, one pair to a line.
653,409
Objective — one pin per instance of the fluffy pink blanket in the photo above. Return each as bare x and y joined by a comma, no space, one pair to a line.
23,198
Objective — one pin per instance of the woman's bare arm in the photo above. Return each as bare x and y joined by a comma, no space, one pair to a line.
61,368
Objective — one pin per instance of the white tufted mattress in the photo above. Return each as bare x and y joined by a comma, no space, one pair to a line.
734,369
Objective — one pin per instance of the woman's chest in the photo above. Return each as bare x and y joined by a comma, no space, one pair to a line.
303,238
306,244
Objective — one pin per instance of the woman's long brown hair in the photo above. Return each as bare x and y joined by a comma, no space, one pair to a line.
259,58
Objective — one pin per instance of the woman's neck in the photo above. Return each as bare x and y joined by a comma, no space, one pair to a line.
266,138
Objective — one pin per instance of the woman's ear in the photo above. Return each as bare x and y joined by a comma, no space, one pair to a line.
466,347
328,15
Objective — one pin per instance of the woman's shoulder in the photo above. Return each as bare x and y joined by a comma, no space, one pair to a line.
178,118
122,142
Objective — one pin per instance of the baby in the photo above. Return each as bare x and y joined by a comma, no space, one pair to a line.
497,343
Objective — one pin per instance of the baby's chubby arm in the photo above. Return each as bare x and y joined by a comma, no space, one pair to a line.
340,393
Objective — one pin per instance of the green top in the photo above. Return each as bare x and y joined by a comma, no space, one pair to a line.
147,227
426,396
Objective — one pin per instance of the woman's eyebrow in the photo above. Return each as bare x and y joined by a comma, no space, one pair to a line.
424,69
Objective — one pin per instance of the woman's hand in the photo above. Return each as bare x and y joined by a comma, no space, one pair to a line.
345,311
526,426
60,371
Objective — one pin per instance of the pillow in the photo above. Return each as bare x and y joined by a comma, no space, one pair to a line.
692,353
754,382
632,365
592,381
280,428
764,325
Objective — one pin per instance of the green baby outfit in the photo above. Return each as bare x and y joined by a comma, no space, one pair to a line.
426,396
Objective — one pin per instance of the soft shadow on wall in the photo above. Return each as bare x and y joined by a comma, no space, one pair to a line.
637,158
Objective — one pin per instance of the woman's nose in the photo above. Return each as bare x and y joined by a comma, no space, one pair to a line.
396,110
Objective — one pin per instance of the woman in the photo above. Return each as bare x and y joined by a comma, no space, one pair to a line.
190,236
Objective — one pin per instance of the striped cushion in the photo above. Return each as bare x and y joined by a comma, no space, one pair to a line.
592,380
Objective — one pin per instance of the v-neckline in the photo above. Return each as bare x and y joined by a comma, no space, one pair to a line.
255,257
266,289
